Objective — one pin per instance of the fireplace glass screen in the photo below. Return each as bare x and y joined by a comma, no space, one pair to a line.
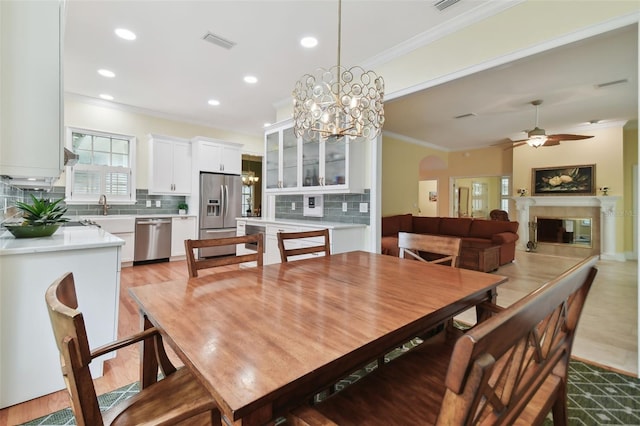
576,231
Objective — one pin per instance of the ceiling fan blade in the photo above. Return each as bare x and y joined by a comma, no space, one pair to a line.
515,145
567,137
551,142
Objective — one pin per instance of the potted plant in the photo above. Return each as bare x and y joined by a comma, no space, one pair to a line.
40,219
182,208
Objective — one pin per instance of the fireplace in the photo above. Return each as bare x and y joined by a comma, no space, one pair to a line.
564,233
556,230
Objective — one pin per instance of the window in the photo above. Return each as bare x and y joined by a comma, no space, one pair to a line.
106,165
504,193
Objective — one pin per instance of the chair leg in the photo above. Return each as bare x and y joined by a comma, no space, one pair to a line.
559,410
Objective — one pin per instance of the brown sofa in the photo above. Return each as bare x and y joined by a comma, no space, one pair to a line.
474,232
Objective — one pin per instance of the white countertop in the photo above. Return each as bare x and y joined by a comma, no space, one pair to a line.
65,238
309,223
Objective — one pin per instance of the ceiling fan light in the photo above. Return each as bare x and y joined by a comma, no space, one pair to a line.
536,140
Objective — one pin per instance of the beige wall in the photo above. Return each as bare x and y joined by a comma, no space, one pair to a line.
630,159
401,172
512,30
90,116
604,150
400,175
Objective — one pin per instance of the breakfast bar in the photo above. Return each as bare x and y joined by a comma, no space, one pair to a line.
29,366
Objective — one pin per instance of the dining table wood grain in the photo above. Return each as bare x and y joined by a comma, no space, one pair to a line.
263,340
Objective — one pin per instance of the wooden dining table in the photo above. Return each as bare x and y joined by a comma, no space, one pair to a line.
263,340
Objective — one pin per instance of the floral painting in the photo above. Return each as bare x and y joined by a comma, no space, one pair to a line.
566,180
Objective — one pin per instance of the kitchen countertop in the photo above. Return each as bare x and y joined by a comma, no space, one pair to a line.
65,238
309,223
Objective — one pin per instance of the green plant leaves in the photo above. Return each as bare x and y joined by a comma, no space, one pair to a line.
42,211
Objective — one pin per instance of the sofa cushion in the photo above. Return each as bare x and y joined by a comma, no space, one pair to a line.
481,228
426,225
389,246
456,226
391,225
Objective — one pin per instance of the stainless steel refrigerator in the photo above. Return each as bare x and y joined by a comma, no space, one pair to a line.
220,205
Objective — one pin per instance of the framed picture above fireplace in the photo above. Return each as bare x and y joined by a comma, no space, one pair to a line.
565,180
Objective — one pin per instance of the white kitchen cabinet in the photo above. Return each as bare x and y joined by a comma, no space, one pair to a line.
169,165
123,227
182,228
31,101
272,252
295,165
281,165
218,156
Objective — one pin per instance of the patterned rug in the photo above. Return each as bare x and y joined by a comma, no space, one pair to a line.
596,396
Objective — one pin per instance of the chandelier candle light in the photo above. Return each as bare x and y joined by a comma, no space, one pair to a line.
338,102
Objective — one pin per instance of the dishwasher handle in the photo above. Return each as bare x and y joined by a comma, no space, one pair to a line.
153,222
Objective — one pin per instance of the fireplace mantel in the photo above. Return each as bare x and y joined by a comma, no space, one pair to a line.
606,204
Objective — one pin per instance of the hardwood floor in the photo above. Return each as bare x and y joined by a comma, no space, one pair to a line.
607,334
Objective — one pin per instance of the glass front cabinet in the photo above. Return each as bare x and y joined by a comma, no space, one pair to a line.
297,165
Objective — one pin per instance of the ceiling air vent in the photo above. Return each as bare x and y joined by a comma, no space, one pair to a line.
217,40
443,4
469,114
611,83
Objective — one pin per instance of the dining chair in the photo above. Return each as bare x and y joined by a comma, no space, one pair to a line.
177,397
194,264
412,244
510,369
286,253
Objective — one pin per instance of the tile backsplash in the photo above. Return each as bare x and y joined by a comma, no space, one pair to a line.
332,208
168,203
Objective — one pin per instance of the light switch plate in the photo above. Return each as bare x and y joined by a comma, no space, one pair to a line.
364,207
148,203
344,207
293,205
158,203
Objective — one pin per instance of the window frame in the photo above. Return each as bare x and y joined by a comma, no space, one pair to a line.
71,198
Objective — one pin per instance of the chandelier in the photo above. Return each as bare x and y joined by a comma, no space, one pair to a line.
339,101
249,178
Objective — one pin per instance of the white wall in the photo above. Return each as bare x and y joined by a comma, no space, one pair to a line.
91,115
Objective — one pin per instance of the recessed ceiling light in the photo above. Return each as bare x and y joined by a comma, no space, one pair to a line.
309,42
106,73
106,97
125,34
250,79
267,124
213,102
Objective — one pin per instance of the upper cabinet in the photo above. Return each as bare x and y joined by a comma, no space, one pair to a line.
169,165
218,156
31,123
295,165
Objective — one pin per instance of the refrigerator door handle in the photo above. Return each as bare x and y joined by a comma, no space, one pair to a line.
223,201
226,201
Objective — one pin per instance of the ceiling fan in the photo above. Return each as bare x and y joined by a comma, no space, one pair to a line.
537,137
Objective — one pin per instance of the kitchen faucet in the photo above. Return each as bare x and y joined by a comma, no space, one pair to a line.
103,202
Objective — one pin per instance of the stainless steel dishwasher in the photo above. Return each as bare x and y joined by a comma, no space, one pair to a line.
153,239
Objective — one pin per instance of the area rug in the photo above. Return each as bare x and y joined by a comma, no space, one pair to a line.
596,396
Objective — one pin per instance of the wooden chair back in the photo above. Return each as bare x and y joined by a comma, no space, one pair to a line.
195,264
505,364
510,369
411,244
176,398
286,236
75,354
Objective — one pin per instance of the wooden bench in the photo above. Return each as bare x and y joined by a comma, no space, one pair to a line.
510,369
